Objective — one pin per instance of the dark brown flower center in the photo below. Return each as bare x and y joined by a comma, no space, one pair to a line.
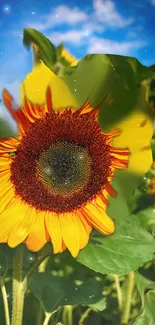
64,168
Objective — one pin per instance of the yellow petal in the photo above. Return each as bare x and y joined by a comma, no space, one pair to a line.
136,134
19,233
7,193
36,83
7,197
53,228
97,216
13,215
75,235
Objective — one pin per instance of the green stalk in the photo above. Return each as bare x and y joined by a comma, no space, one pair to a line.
18,288
20,284
119,292
47,318
128,298
5,302
84,316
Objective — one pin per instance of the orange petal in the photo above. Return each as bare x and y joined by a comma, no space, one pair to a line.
85,223
97,216
54,231
18,114
75,235
9,145
63,247
37,232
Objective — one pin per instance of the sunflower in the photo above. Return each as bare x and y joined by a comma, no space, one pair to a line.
69,58
56,174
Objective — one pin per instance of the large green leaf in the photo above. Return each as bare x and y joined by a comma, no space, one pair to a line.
127,182
124,251
148,315
54,291
100,74
152,67
121,78
44,50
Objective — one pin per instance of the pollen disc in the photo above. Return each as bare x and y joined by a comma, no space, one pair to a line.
65,168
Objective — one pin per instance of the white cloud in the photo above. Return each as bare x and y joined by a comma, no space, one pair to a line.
86,28
61,15
71,36
104,15
153,2
106,46
92,27
106,12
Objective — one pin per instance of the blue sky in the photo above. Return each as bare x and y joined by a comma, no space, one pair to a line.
92,26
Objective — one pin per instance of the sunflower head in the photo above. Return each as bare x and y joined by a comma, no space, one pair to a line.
56,174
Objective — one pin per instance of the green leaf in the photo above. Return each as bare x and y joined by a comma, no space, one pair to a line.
111,313
59,49
153,147
139,202
100,305
143,284
120,78
3,264
152,67
100,74
129,247
148,315
53,291
147,219
6,130
29,258
127,182
44,50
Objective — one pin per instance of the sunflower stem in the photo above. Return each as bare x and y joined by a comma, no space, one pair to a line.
5,302
119,292
68,311
47,318
67,317
20,284
84,316
128,298
18,288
